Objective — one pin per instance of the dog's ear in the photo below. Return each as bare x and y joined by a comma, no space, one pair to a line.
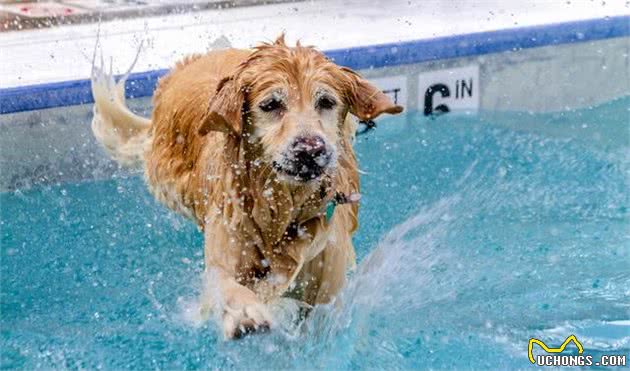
225,112
366,101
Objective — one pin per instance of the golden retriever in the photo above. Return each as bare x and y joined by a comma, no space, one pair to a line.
254,146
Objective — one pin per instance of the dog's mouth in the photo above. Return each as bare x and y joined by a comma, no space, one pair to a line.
303,169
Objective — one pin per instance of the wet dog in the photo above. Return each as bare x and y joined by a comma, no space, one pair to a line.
253,145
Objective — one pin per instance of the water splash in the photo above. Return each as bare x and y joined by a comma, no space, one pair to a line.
474,238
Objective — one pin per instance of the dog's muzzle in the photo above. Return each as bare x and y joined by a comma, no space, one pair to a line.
306,159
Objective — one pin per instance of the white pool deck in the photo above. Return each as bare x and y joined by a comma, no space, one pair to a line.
64,53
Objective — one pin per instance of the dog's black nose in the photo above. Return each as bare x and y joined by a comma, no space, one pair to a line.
308,157
311,148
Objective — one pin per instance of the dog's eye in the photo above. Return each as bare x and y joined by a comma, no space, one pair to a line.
272,104
326,103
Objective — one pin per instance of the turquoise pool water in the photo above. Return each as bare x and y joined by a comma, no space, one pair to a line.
475,236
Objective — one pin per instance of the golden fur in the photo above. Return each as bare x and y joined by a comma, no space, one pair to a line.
208,154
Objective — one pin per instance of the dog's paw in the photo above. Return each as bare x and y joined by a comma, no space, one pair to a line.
246,320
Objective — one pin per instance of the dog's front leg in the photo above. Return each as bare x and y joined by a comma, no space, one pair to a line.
241,311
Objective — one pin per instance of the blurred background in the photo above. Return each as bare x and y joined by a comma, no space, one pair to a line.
19,15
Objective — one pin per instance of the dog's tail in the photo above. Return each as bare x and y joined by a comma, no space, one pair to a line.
121,132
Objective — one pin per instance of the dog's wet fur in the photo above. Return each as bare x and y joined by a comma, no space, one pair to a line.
252,145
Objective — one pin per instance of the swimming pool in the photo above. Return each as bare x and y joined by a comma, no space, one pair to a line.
505,219
475,236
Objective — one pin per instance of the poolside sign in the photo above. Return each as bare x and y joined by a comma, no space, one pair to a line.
394,86
449,90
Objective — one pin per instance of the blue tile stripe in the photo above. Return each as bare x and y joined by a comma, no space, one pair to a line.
142,84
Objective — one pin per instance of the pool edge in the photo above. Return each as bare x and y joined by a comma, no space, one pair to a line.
142,84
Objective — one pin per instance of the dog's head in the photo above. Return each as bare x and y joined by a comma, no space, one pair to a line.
291,103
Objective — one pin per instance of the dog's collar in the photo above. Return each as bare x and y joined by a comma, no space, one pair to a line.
340,199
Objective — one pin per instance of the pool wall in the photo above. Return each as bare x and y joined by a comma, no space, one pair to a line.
45,135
